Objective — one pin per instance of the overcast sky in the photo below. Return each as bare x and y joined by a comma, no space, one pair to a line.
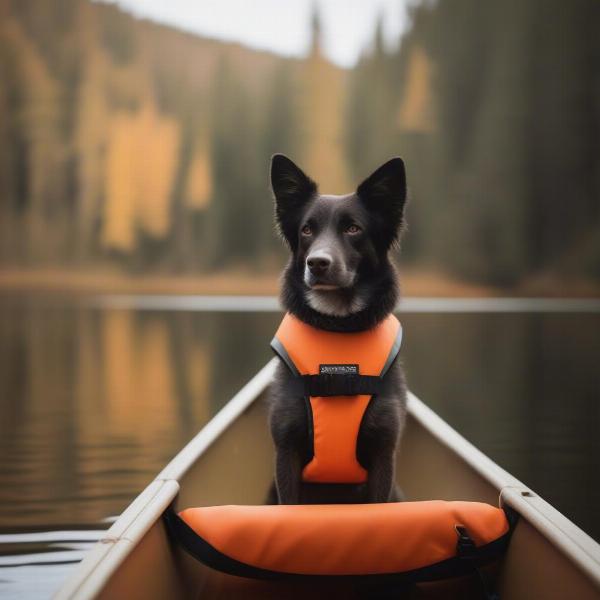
282,26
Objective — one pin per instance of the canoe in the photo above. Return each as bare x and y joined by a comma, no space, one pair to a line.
230,461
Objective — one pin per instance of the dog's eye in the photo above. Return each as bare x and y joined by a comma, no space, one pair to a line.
353,229
306,230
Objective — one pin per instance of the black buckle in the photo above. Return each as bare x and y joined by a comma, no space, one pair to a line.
465,546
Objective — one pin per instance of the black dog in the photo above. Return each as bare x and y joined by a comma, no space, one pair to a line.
339,278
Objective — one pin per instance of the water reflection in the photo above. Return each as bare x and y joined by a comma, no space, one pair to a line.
94,401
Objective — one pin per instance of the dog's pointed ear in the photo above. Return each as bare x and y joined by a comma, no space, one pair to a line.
384,195
292,189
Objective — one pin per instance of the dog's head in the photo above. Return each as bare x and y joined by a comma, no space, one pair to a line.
339,244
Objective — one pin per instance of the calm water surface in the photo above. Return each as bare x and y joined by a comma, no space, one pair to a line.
96,397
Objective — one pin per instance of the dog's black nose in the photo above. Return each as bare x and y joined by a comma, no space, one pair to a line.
318,264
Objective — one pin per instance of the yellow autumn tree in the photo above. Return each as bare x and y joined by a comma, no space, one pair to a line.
416,109
38,120
141,162
156,159
119,209
199,185
322,102
92,127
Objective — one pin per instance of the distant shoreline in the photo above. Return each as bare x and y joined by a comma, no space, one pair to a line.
414,283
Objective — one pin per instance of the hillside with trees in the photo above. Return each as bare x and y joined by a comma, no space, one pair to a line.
496,108
129,145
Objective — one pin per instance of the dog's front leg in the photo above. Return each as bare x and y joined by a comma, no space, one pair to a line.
288,421
380,481
288,474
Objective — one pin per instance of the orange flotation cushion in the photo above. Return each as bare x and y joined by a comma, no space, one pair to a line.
339,540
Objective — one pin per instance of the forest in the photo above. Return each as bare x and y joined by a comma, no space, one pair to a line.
129,145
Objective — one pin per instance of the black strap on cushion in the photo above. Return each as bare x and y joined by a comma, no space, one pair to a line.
334,384
466,550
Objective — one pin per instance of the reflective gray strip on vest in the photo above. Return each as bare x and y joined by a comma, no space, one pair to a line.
280,350
393,352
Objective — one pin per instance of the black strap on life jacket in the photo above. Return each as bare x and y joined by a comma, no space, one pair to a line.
334,384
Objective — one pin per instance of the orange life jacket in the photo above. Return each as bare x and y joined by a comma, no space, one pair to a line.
338,374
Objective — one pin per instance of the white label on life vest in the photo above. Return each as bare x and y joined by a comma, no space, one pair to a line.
338,369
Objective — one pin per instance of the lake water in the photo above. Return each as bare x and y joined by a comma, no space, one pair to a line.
96,395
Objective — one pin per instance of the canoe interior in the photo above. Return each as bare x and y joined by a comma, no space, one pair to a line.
237,469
